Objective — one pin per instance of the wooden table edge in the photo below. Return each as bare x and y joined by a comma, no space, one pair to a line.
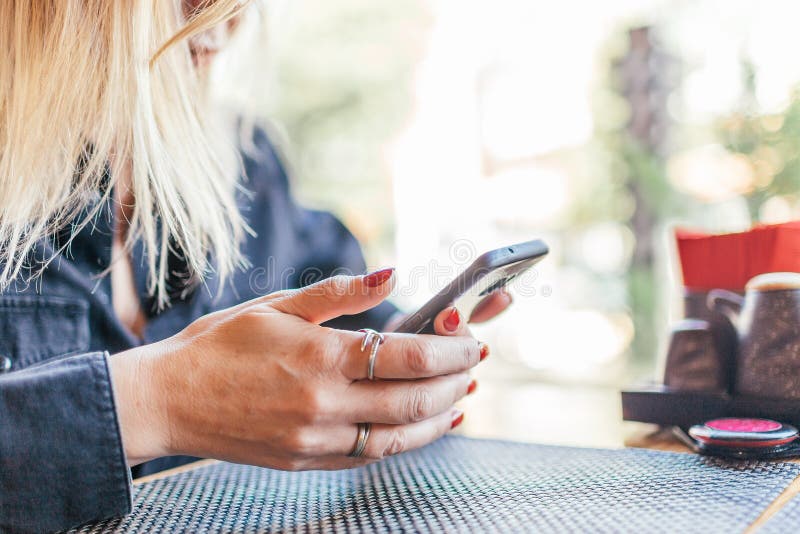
780,501
662,439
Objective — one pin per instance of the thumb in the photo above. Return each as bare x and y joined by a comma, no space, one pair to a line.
337,295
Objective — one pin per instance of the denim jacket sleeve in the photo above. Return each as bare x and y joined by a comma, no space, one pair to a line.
61,456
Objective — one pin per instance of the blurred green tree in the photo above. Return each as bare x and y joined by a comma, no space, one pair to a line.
639,81
769,141
343,89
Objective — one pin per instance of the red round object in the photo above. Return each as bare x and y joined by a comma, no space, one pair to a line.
748,444
734,424
744,433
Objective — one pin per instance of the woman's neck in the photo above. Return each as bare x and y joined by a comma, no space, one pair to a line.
127,304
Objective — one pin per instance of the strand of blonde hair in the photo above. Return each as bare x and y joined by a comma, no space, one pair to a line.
84,80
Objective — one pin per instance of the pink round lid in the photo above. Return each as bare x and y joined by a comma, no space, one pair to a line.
736,424
744,432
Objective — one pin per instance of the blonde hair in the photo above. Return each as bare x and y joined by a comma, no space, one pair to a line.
92,85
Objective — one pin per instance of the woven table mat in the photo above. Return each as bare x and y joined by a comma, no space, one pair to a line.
787,519
461,484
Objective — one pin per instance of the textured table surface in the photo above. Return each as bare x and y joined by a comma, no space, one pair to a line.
787,519
461,484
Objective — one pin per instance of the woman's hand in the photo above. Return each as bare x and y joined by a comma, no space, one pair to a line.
262,383
449,321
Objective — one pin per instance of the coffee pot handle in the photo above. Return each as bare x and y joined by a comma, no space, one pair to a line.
725,302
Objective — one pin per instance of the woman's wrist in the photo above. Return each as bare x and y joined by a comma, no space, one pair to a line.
140,402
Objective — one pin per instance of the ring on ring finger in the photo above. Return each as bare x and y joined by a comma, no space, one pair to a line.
361,439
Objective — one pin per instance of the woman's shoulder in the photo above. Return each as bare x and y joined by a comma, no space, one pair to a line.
264,165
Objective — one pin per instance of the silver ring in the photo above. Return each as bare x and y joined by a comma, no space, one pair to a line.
361,440
374,339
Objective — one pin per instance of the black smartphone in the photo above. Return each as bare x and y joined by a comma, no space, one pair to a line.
490,271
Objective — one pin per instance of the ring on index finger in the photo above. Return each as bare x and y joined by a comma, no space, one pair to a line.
372,339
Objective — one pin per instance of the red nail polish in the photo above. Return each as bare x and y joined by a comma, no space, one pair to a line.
484,351
458,418
452,321
472,387
378,277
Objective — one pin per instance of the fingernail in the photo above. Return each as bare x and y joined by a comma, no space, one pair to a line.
452,320
472,387
378,277
484,351
458,418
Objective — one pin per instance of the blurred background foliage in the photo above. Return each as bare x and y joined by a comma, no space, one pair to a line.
341,91
598,127
768,145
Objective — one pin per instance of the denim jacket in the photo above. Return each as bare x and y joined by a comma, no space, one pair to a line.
61,456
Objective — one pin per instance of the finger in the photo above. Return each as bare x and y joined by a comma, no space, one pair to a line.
410,356
335,296
450,322
491,306
388,440
401,401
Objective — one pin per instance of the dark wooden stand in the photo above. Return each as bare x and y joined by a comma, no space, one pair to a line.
659,405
